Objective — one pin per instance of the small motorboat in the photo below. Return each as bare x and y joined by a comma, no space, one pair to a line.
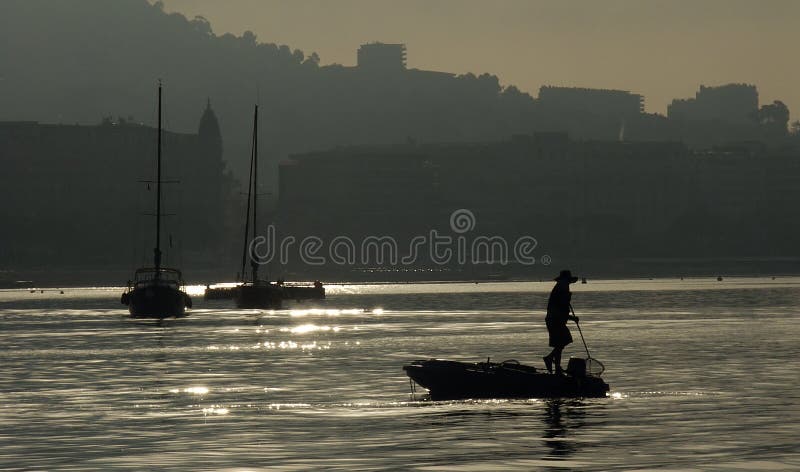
453,380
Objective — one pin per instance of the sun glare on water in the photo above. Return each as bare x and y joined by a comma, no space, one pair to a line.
191,390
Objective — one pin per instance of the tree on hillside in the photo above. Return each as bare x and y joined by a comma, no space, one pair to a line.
774,117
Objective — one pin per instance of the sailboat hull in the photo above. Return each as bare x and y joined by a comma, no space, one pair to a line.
157,302
259,296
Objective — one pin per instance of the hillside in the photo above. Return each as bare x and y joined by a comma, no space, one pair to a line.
77,62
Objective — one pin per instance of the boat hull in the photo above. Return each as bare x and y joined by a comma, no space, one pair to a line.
220,293
290,292
451,380
157,302
299,292
259,296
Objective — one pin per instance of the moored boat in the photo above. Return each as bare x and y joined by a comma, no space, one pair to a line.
255,292
258,294
290,291
156,292
453,380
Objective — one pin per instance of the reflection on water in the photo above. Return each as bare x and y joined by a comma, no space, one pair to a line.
559,418
702,376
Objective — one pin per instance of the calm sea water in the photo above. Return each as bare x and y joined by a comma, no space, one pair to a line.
703,375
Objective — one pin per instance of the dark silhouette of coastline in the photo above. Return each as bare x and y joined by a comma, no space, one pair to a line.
125,45
710,185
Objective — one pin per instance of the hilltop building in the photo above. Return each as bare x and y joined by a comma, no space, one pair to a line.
382,56
585,113
731,103
612,103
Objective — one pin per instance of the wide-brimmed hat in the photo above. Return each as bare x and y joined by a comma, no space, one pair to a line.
566,275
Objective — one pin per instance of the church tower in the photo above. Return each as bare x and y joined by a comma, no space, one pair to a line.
208,132
202,184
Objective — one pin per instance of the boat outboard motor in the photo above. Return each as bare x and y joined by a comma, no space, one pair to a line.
576,367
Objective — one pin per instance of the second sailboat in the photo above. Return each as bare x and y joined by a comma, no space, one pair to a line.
254,292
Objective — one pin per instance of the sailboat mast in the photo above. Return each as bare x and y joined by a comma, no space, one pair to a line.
157,250
247,218
253,262
245,245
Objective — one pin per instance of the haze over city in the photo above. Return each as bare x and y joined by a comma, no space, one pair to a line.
663,50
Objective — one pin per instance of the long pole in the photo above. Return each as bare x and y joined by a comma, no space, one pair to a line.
594,366
581,333
157,250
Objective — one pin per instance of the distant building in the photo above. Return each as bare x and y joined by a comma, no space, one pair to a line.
77,195
581,200
382,56
603,102
731,103
596,114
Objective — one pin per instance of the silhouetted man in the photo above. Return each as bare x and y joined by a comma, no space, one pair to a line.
558,313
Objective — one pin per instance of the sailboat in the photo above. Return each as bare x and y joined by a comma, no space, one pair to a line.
157,291
254,292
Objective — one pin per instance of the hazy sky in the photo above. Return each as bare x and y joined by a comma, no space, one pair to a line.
661,49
